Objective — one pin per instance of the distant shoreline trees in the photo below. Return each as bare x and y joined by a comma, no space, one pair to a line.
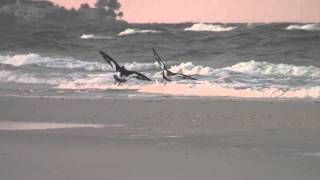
29,10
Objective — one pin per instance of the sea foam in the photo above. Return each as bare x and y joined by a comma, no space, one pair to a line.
209,28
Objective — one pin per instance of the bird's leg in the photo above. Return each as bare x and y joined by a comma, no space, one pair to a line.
164,81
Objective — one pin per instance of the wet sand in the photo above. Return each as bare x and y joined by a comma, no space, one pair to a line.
144,139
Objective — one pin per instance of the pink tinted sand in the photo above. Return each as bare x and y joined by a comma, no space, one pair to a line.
214,90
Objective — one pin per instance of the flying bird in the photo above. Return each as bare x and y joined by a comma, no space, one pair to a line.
123,73
166,73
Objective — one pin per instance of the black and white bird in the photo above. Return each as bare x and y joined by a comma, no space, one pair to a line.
166,73
123,73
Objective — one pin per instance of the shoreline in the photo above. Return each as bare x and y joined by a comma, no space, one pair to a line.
66,110
142,139
168,97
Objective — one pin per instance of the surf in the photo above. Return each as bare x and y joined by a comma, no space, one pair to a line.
248,79
32,59
266,68
209,89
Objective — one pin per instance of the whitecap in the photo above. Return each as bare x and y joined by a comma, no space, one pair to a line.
307,27
137,31
209,28
92,36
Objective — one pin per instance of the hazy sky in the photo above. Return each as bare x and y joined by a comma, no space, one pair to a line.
215,10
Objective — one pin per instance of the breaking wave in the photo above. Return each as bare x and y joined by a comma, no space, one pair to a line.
137,31
62,63
266,68
69,63
97,37
251,68
23,59
68,81
249,79
209,27
27,78
307,27
190,69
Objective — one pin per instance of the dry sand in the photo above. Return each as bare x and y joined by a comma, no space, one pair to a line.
143,139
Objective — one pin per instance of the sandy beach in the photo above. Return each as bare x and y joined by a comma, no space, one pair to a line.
140,139
159,90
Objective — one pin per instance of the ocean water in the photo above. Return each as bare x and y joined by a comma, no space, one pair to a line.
271,61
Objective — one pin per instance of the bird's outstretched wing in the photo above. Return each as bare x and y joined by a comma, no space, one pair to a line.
164,67
113,63
186,76
183,76
159,60
139,76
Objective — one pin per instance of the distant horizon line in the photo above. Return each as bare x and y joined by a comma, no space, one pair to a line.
228,22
